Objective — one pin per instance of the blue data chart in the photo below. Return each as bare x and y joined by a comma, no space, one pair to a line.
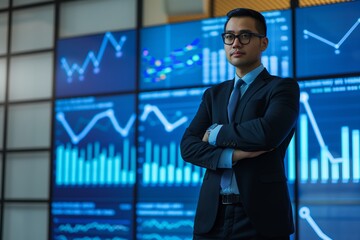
170,59
94,147
90,220
215,67
167,186
167,220
277,58
290,168
327,46
96,64
329,222
329,139
94,168
163,117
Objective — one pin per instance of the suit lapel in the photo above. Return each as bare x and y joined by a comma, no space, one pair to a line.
225,101
260,81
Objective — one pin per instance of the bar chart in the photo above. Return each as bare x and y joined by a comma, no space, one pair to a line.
158,168
328,141
104,167
337,159
327,168
94,147
164,116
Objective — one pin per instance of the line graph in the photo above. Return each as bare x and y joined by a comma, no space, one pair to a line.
329,140
158,152
98,155
94,143
76,138
337,45
99,63
123,131
304,99
169,127
304,213
94,226
166,225
327,164
91,57
325,46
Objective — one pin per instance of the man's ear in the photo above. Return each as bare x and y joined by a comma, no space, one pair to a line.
264,43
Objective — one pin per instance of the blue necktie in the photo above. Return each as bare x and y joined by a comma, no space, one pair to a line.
234,99
233,102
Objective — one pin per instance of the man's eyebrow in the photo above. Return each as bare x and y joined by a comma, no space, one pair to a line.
241,31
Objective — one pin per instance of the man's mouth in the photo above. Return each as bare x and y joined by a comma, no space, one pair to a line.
236,53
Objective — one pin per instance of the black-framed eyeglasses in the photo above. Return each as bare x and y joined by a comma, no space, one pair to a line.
244,38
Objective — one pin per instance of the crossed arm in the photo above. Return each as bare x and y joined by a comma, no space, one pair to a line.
237,154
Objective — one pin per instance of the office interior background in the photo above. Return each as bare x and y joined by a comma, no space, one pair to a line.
95,95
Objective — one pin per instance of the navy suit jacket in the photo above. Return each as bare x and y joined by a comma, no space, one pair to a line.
265,119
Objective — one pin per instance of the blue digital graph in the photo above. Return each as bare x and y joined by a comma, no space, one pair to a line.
277,58
324,46
96,64
94,168
165,220
328,159
89,220
170,59
329,133
94,145
329,222
163,118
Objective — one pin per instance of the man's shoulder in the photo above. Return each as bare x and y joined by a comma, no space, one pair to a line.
221,86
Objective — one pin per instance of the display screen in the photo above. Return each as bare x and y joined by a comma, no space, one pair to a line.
96,64
94,168
167,185
327,39
192,53
329,159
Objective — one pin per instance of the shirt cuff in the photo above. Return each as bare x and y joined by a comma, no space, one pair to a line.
225,160
213,134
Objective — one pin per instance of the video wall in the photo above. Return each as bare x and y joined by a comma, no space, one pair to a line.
117,169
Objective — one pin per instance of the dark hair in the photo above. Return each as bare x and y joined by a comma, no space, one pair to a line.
246,12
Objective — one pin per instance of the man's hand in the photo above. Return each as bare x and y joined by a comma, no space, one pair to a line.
206,136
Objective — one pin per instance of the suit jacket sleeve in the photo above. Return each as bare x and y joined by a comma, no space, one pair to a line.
193,149
266,118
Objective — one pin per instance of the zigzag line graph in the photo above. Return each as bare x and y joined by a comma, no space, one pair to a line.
304,97
337,45
76,138
96,226
166,225
169,127
93,58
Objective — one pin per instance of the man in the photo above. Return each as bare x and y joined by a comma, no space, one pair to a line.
244,193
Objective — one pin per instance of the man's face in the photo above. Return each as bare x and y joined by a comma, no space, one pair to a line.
244,57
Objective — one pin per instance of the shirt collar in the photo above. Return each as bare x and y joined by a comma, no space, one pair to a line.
250,77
